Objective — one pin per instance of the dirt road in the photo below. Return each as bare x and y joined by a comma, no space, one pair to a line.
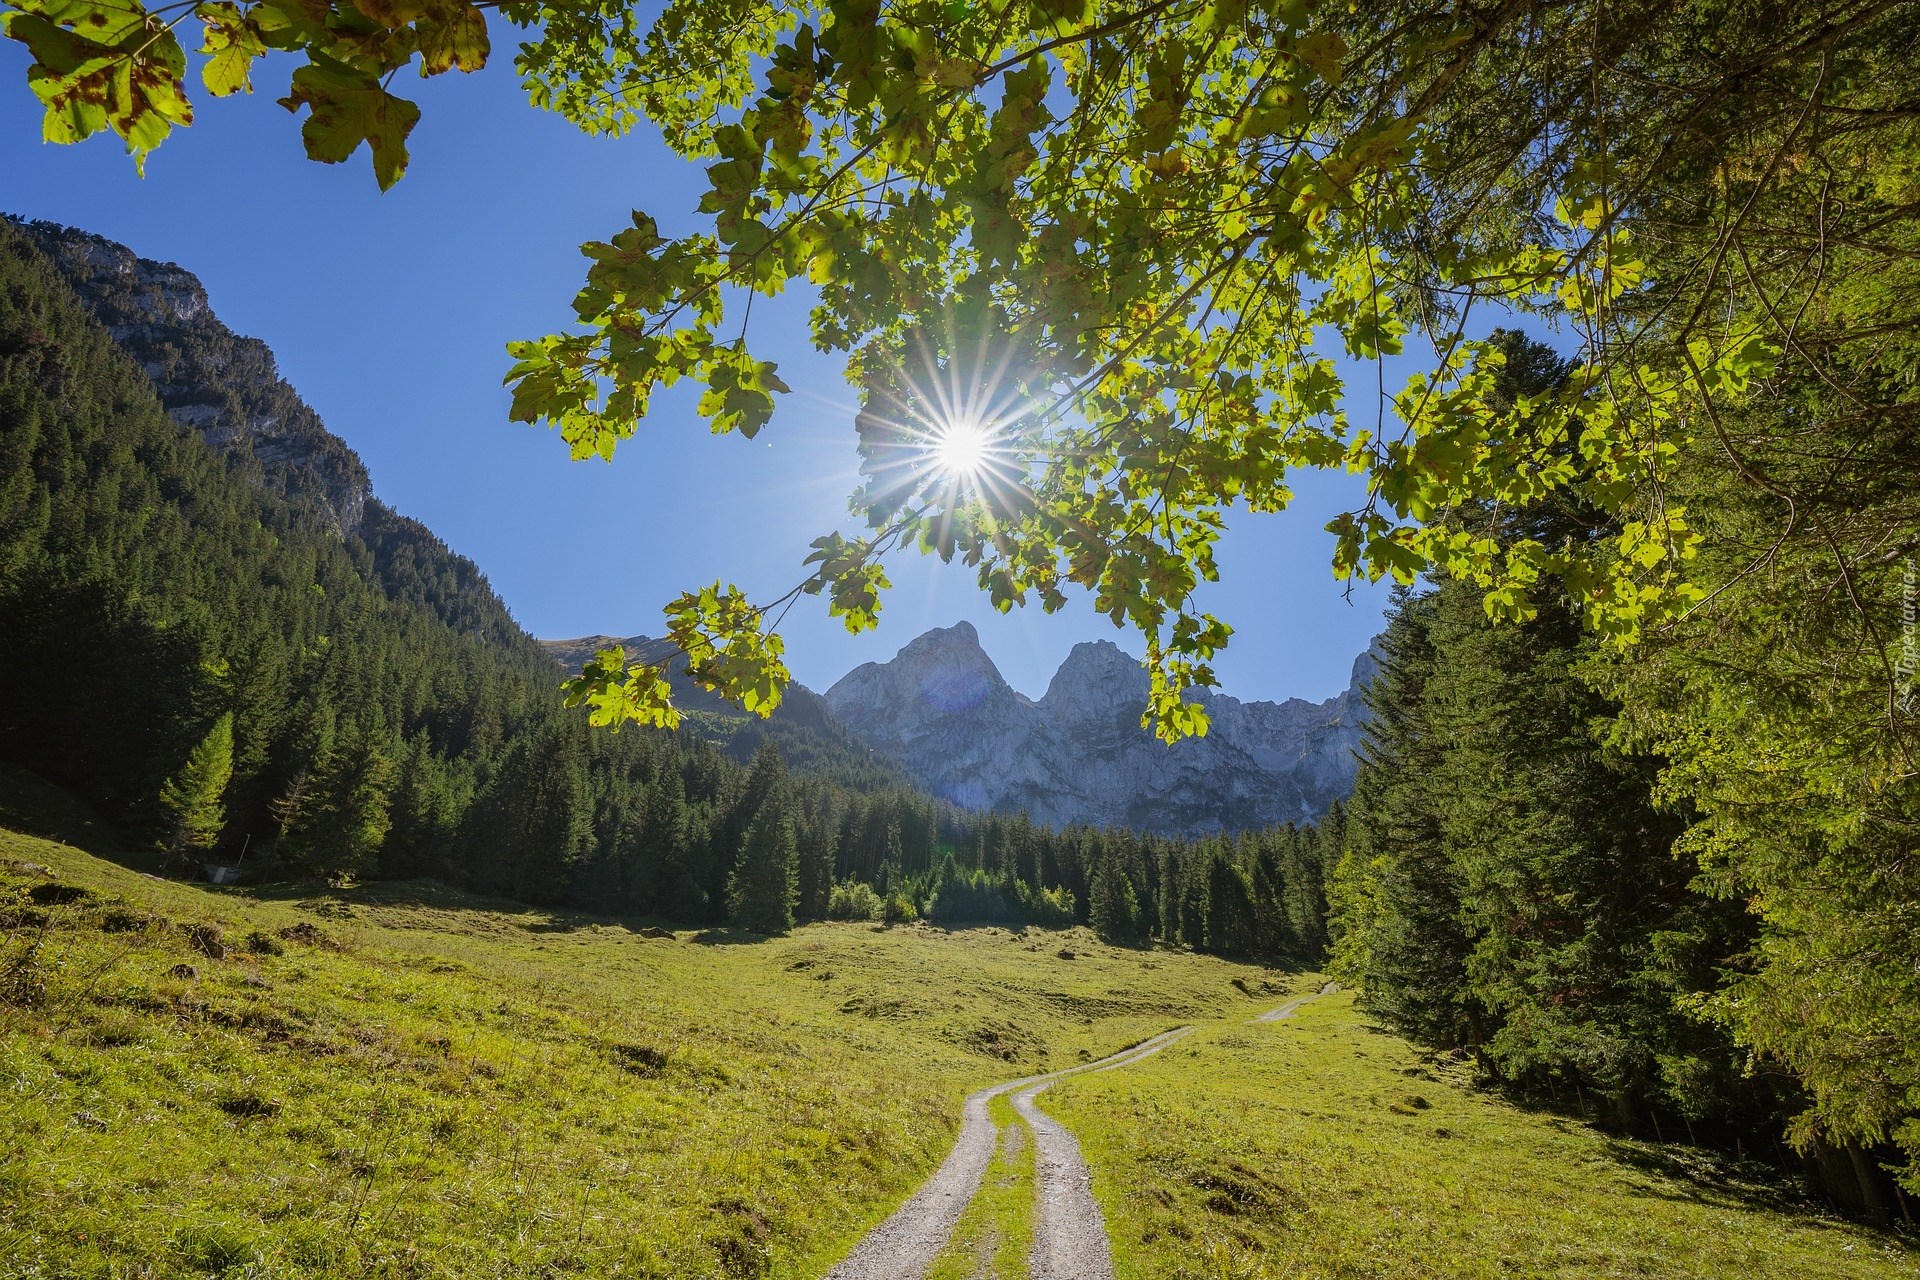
1286,1010
902,1247
1070,1234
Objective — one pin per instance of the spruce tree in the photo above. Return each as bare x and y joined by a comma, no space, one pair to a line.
194,795
1107,909
764,887
1397,925
346,813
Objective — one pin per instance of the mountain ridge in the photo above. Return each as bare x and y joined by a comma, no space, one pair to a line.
1078,754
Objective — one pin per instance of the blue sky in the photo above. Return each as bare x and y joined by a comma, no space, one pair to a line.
390,312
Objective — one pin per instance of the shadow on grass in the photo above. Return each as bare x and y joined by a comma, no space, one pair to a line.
726,936
342,902
1675,1171
33,806
1704,1176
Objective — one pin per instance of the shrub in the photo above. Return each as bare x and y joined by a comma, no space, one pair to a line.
853,901
1048,908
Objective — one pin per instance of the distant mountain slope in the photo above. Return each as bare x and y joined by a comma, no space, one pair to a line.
228,388
150,582
809,738
1079,753
225,386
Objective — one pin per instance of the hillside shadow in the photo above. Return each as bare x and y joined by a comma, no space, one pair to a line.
33,806
1710,1173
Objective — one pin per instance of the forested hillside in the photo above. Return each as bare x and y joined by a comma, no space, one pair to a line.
347,697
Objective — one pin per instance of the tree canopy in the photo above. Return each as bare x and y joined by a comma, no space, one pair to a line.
1128,244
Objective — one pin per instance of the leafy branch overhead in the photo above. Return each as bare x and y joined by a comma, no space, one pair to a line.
115,64
1144,245
1135,243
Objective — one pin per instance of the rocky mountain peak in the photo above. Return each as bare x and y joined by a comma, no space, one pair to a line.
1079,753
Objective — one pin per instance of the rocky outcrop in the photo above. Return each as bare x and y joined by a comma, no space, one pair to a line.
209,378
1079,753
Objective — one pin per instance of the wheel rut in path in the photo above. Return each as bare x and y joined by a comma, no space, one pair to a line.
1070,1234
905,1245
1070,1237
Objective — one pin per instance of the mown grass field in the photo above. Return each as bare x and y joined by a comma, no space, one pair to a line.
402,1081
420,1084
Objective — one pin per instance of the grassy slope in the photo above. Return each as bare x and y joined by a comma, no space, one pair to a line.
1319,1146
474,1088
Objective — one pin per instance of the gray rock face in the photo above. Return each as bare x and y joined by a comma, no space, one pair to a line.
1079,753
209,378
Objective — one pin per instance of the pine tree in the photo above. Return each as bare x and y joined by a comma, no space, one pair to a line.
194,795
764,887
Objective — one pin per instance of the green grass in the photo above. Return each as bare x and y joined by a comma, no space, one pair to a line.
420,1083
1320,1146
470,1088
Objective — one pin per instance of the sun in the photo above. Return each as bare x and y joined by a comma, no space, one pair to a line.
961,447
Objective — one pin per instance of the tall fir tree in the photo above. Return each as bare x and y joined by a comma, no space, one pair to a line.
193,797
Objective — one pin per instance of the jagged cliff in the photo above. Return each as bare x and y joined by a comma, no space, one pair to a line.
224,386
1079,753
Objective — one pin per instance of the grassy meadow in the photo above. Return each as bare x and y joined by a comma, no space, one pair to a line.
1321,1146
399,1080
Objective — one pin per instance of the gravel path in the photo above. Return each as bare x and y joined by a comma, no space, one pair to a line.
1286,1010
1070,1237
902,1247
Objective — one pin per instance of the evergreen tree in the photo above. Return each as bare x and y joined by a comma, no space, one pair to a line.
1229,905
1111,910
346,813
193,796
663,841
764,887
1397,933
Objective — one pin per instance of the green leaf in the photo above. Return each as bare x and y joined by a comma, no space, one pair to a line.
347,108
117,67
231,44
